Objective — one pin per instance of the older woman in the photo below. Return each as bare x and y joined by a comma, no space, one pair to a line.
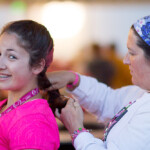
129,107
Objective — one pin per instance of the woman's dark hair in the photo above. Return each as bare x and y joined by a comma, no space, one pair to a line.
142,44
37,41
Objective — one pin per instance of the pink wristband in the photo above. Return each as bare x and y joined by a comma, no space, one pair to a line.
75,81
77,132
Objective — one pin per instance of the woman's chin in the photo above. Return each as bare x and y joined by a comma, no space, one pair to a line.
133,81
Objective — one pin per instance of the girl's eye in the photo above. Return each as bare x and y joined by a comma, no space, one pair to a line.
12,57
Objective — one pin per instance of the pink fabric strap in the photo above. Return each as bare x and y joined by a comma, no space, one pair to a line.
22,100
75,81
77,132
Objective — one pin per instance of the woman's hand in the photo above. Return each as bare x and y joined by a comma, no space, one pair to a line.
60,79
71,116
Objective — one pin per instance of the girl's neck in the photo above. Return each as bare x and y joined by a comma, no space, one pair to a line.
14,96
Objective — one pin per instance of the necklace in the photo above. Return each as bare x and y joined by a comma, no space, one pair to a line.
115,119
22,100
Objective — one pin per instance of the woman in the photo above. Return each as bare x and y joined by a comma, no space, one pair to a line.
129,107
26,120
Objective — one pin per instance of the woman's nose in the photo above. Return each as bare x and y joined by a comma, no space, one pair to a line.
126,59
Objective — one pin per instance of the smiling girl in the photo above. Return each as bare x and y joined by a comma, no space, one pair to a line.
26,120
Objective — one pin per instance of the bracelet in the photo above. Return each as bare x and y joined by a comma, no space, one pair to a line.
75,81
77,132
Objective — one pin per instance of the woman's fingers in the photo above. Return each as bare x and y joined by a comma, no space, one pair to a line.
76,105
72,115
57,114
70,102
55,86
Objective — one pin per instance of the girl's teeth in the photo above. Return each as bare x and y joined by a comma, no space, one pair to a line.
3,76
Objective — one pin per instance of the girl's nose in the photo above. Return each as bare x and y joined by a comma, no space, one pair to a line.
2,64
126,59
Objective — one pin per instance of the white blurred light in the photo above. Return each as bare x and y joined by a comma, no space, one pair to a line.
63,19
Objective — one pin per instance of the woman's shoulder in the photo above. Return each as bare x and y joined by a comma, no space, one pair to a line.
144,103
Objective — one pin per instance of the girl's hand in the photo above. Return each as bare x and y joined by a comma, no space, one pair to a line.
71,116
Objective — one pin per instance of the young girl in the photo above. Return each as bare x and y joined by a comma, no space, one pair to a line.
26,120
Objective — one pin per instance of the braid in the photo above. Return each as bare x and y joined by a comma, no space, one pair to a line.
54,98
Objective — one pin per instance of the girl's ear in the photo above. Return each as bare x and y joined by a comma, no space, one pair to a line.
37,69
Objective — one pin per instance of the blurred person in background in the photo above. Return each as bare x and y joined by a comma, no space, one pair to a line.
122,75
99,67
129,106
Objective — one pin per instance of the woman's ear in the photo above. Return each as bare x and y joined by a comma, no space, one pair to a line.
39,68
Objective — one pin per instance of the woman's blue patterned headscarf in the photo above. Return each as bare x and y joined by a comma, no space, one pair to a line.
142,26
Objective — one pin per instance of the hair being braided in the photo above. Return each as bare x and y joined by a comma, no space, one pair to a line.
54,98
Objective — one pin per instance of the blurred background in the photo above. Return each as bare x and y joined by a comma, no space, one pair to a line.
89,35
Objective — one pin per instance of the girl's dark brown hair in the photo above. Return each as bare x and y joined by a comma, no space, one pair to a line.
37,41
